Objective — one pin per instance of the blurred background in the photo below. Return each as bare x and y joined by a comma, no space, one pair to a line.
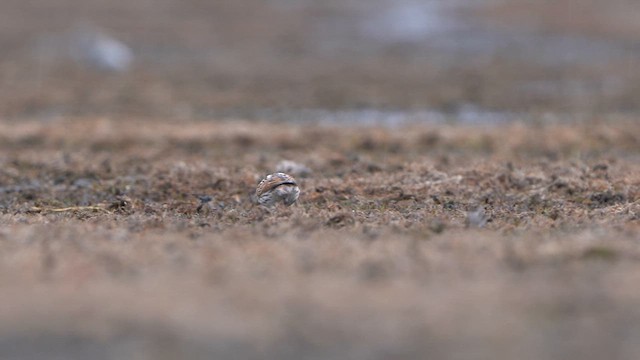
216,58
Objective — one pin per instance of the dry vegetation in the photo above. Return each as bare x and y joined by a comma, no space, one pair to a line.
104,251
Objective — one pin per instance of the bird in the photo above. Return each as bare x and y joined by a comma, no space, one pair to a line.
277,187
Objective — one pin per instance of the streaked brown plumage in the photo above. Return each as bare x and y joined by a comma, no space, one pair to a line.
277,187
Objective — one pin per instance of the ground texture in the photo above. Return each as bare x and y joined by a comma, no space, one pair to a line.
485,242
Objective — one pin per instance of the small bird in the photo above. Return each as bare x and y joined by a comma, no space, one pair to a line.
277,187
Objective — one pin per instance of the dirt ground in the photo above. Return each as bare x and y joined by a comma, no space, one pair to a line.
106,254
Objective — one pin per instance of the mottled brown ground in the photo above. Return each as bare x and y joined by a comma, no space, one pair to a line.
378,260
